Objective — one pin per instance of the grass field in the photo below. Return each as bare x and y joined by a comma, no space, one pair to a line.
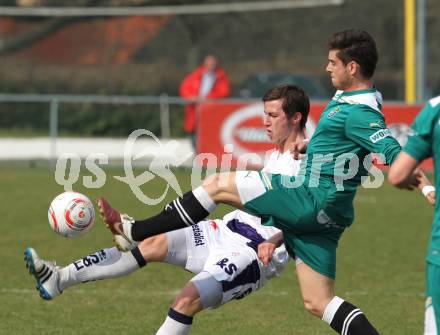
380,268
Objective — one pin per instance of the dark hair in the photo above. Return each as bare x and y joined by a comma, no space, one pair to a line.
294,101
356,45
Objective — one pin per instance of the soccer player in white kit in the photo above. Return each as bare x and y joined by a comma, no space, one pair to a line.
221,252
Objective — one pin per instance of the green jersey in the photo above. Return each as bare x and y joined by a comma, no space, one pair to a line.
422,143
314,208
350,128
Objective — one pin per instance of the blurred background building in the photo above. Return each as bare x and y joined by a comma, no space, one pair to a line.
150,55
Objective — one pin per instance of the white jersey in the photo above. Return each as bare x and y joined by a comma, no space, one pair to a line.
248,228
282,163
227,248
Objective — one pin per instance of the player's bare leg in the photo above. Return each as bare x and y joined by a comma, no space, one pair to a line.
154,249
203,291
180,316
316,290
320,300
221,188
188,301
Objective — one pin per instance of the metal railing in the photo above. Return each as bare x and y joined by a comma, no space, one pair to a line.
163,101
191,9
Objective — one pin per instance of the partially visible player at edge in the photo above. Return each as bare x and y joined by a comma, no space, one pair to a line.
424,142
314,215
202,248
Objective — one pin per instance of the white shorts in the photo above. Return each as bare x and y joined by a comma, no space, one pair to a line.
211,247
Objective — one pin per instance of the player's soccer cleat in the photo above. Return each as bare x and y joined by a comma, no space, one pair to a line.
45,273
119,225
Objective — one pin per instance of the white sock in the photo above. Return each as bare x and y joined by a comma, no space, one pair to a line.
430,323
205,200
331,309
346,318
103,264
175,324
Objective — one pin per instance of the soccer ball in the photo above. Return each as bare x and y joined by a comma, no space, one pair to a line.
71,214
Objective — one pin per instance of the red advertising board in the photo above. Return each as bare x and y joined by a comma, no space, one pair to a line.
240,127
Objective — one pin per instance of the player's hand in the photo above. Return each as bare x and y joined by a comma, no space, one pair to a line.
298,148
421,177
413,183
425,185
415,180
265,252
431,197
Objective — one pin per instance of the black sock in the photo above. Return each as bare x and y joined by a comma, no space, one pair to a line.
138,256
179,317
349,320
182,212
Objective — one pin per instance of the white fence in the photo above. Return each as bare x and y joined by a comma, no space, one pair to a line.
51,147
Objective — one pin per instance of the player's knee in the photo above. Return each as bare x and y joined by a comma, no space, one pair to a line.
314,306
188,301
184,304
154,249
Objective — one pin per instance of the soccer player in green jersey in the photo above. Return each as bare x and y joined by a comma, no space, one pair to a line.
424,142
314,209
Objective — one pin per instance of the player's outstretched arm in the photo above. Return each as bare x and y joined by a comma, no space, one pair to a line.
401,173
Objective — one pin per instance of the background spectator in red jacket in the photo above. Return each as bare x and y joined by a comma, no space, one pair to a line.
208,81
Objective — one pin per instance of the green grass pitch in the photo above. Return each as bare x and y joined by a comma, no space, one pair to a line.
380,268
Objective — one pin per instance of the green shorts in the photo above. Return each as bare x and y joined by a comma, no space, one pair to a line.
433,292
308,232
317,251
